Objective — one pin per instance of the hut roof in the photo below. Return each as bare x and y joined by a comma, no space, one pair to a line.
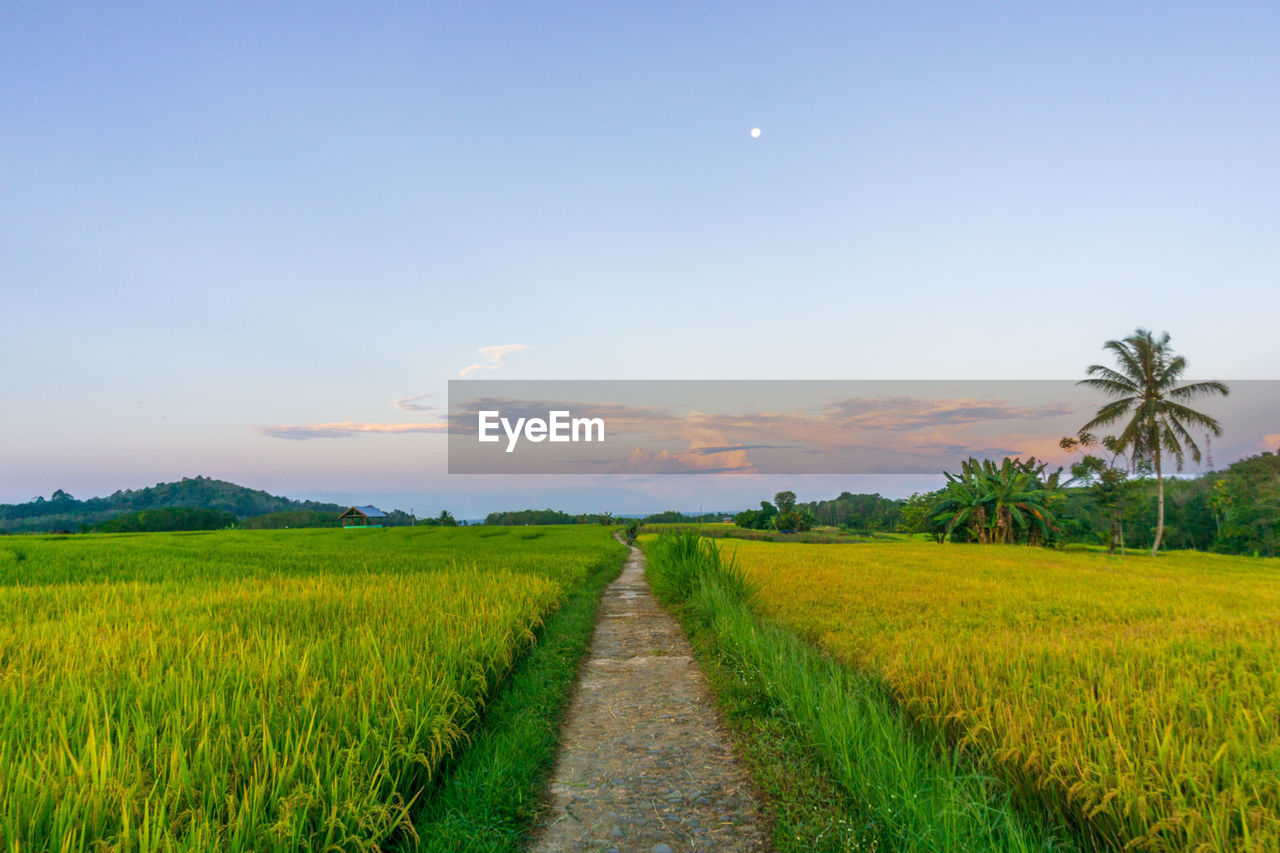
367,511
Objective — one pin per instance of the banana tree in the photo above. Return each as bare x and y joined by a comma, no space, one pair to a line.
963,503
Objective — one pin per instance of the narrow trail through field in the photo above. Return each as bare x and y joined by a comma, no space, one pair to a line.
644,762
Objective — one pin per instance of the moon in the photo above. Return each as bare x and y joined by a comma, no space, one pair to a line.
755,133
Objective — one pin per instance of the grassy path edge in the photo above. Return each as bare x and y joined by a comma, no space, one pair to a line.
840,766
490,796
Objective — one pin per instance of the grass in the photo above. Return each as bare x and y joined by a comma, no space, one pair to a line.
861,779
818,536
489,798
562,553
806,811
1134,698
281,690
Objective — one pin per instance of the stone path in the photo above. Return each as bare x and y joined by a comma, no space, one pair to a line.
644,763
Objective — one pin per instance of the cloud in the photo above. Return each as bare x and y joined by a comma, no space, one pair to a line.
847,434
495,355
617,417
1271,441
707,451
342,429
828,425
413,404
908,413
640,461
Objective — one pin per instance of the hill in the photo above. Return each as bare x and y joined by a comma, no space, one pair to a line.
64,512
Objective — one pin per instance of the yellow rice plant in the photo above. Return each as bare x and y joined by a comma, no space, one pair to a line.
1137,698
302,712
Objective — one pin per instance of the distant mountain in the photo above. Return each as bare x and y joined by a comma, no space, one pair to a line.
64,512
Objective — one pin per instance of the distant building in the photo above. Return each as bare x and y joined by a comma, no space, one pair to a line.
362,516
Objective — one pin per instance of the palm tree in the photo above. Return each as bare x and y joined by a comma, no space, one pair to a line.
1146,390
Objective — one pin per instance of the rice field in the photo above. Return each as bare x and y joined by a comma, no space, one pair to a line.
1136,699
257,690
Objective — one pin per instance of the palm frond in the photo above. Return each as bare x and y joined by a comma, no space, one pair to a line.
1168,440
1127,356
1195,390
1182,437
1134,438
1110,413
1104,379
1171,372
1192,417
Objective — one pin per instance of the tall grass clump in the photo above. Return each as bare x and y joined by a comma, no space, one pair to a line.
910,793
681,562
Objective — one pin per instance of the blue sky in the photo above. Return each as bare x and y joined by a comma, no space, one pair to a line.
217,217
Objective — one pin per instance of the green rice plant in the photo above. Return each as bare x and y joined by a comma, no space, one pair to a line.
283,690
490,796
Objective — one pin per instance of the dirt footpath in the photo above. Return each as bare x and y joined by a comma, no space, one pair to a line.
644,764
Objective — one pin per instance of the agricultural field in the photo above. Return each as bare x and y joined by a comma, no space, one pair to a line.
236,690
1135,699
705,527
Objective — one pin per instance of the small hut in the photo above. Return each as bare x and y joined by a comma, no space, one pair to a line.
362,516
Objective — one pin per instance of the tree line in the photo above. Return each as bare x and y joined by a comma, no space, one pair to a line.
1116,492
546,516
62,511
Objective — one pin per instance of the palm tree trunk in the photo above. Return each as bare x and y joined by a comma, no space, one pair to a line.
1155,546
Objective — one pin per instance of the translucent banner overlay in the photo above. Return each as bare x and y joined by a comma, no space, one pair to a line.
729,427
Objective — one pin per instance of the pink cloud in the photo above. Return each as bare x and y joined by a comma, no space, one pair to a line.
342,429
640,461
